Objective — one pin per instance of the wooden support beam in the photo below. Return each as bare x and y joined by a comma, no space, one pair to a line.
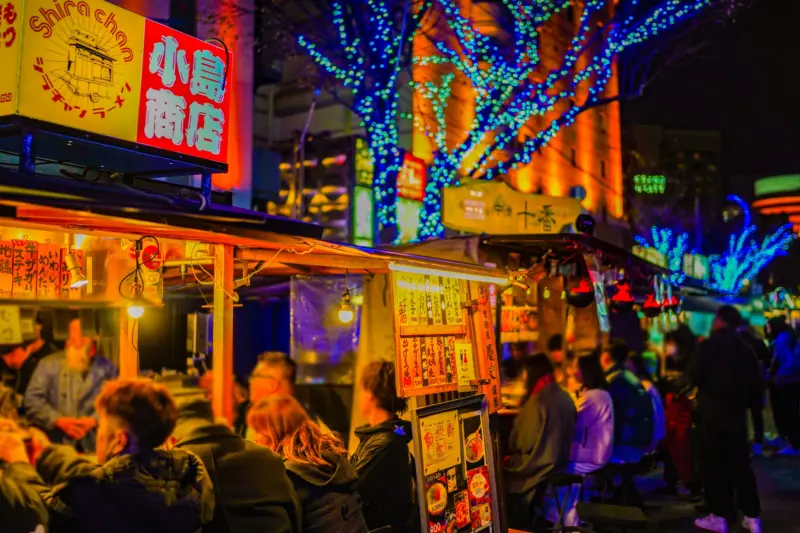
222,358
343,262
128,343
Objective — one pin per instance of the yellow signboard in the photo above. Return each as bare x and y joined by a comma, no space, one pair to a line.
82,66
493,207
10,44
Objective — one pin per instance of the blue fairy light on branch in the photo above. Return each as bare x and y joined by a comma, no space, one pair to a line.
745,255
512,87
673,246
367,58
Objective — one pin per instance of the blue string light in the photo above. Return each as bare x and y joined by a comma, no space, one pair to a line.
673,247
367,61
508,92
745,257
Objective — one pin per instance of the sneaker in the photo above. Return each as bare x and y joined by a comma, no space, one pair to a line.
758,450
788,452
753,525
712,522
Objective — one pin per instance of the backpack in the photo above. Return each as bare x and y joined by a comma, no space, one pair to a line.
634,424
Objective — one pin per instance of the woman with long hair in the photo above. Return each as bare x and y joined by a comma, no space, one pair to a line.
315,461
382,461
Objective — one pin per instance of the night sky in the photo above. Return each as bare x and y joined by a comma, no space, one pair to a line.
747,86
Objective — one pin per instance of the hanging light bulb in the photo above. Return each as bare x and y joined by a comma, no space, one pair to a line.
346,313
135,311
76,277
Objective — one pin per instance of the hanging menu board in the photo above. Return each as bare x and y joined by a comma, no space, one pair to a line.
445,336
430,322
455,462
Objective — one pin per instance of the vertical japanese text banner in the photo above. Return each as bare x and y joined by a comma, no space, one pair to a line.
185,94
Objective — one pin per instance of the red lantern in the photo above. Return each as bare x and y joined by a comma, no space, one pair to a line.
651,307
582,294
671,304
622,299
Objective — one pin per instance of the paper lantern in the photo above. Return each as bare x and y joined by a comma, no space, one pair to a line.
622,299
651,307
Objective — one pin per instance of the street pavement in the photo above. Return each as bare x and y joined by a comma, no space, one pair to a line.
779,487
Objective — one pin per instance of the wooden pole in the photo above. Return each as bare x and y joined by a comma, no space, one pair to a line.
128,343
222,358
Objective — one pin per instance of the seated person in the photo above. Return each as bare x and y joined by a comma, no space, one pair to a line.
594,429
633,408
638,365
61,396
315,461
244,501
381,460
540,441
137,487
21,506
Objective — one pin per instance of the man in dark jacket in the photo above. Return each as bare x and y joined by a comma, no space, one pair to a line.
763,357
725,372
253,493
21,507
633,408
138,488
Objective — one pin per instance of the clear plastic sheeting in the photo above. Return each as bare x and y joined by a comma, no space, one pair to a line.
322,345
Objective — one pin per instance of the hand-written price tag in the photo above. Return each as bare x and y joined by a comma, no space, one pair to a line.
6,268
24,263
49,271
10,329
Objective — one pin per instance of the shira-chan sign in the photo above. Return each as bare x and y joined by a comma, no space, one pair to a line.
92,66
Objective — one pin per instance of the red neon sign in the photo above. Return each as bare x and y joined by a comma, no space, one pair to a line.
412,179
185,94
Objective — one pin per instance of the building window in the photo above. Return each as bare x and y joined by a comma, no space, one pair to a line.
573,158
602,169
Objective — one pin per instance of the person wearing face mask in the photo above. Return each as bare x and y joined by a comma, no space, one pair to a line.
135,487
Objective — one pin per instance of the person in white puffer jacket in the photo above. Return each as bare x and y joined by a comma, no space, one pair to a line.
594,429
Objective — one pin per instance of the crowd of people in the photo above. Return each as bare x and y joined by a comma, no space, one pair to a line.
155,459
83,451
587,414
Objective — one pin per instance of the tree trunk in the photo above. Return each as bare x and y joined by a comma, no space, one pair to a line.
387,160
442,174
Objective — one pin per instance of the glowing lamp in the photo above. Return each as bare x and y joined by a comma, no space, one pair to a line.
671,304
582,294
76,277
622,299
651,307
346,314
135,311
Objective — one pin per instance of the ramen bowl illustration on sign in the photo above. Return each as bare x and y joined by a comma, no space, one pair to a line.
437,498
473,448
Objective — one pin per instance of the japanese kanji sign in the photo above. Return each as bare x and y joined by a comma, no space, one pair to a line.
24,263
6,268
96,67
184,107
49,272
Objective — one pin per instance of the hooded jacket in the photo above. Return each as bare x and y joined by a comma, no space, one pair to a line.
253,493
154,492
385,473
328,495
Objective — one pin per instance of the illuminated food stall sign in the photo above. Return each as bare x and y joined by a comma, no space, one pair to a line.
412,179
481,206
649,184
95,67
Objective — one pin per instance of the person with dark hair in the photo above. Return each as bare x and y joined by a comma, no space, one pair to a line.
137,487
558,356
785,378
640,368
316,463
252,491
382,461
725,372
594,429
540,440
512,365
633,408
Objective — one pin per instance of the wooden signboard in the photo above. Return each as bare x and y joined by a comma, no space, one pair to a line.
445,336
